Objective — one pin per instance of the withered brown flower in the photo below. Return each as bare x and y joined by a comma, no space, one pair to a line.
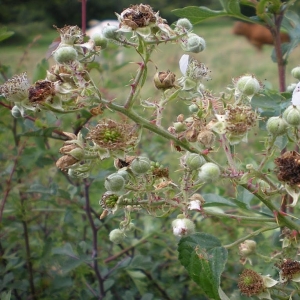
111,135
288,167
41,91
137,16
250,283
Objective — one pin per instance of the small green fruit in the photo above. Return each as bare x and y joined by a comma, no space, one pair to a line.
65,55
185,24
116,236
248,85
209,172
140,165
296,72
193,43
114,183
194,161
292,115
276,126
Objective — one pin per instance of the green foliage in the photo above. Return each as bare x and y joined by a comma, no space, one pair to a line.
204,258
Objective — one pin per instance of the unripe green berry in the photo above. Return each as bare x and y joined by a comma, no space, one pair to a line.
140,165
99,40
116,236
114,183
193,108
193,43
124,174
209,172
179,127
296,72
16,113
276,126
65,54
110,32
185,24
194,161
248,85
292,115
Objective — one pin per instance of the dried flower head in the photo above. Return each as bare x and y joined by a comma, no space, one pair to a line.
16,88
111,135
289,270
137,16
239,119
250,283
41,91
288,167
70,35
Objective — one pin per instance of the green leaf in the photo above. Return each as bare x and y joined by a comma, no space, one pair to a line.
45,132
232,7
40,70
204,258
216,200
4,295
4,34
138,278
198,14
65,250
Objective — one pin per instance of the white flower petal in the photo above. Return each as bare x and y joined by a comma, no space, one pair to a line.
268,281
194,205
183,63
294,192
296,277
296,95
265,295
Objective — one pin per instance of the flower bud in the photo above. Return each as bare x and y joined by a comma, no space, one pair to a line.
206,137
65,54
292,115
194,161
209,172
185,24
183,227
140,165
193,43
193,108
164,80
247,247
276,126
16,113
248,85
99,40
296,72
110,32
124,174
114,183
116,236
179,127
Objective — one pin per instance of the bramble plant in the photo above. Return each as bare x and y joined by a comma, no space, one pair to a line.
213,178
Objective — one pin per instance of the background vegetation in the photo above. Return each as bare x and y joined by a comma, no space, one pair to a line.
45,235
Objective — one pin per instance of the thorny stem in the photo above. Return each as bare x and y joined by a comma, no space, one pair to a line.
254,233
95,240
282,219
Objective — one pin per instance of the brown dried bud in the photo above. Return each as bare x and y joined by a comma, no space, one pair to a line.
67,148
206,137
180,118
66,161
164,80
191,135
